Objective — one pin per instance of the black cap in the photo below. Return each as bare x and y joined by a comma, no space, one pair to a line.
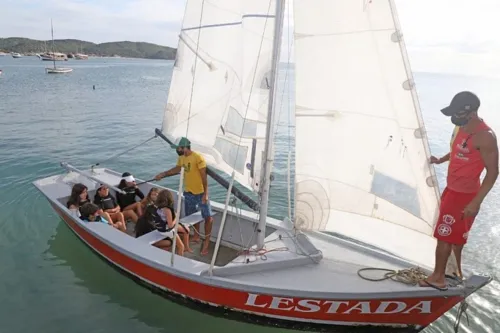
463,101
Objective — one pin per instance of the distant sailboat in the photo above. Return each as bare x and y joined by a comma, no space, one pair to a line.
56,70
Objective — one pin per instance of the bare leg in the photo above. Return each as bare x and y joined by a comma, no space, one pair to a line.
130,215
106,216
179,246
457,251
118,221
196,235
185,238
437,278
208,230
164,244
136,208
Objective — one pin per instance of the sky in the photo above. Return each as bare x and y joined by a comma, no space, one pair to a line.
447,36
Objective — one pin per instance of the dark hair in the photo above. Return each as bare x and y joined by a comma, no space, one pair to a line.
74,198
123,182
88,209
146,223
165,199
97,195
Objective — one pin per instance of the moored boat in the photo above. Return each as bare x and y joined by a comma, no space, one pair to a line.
58,70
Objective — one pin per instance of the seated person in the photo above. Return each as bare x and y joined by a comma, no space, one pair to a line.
166,211
80,196
127,201
151,221
150,198
105,201
90,213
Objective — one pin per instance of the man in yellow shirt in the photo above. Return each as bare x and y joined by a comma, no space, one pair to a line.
195,187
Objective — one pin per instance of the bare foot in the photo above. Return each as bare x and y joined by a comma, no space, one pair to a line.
190,250
204,252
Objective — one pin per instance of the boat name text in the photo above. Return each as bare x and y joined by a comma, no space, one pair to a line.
337,307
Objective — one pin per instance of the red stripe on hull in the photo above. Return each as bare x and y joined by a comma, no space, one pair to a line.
409,311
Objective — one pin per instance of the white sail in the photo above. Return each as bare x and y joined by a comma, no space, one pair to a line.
219,92
361,149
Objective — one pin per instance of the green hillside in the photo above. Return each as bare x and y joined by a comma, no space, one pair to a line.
123,49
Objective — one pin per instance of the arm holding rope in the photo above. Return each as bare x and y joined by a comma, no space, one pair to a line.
172,172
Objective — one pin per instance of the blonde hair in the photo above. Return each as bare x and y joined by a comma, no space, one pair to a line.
151,191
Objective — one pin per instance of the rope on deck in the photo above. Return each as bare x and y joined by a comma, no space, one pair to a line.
408,276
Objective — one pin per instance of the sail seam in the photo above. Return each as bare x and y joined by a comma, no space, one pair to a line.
218,25
194,68
301,35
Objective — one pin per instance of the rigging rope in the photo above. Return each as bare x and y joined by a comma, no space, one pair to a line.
122,153
462,310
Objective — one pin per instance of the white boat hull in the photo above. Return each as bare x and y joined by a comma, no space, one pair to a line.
286,288
58,70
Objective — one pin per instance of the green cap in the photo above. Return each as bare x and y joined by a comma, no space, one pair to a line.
183,142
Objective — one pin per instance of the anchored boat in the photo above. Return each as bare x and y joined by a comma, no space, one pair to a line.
54,55
365,195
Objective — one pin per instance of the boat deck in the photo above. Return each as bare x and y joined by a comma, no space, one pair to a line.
333,275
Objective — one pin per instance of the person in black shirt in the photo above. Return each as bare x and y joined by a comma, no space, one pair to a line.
128,201
80,196
107,203
150,221
166,212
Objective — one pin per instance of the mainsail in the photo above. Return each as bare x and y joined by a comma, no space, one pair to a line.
361,149
219,92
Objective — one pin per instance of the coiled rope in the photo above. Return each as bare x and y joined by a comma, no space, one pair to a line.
409,276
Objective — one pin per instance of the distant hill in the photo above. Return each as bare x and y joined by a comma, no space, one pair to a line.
123,49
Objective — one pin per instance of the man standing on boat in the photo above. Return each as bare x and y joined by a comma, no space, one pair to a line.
473,148
195,187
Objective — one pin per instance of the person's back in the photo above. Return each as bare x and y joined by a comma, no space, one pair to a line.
146,223
466,164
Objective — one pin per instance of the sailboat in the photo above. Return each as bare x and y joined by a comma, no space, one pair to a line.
55,70
365,195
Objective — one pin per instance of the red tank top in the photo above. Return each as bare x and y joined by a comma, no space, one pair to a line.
466,164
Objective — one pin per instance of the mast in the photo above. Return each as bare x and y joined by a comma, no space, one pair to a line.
268,150
53,47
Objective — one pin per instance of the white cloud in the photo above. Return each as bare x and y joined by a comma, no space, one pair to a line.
441,35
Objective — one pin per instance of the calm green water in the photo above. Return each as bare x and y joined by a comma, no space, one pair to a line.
50,282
